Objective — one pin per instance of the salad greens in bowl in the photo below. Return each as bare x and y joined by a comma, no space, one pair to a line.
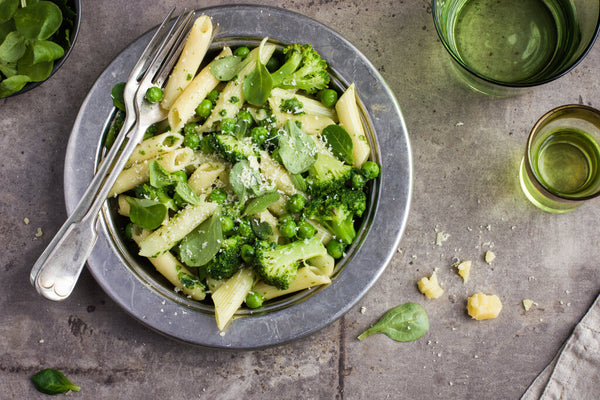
140,285
36,38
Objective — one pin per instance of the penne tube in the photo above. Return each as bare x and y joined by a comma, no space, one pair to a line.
155,146
305,279
277,174
230,295
204,176
351,121
190,59
184,107
309,106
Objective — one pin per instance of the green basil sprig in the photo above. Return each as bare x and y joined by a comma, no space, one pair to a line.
203,243
296,148
339,142
52,381
404,323
258,84
146,213
260,203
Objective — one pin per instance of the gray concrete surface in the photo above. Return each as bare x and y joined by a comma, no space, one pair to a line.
467,148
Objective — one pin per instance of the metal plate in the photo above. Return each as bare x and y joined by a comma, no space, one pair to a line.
139,292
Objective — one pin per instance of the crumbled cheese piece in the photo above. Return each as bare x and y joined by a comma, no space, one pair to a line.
464,268
481,306
26,221
490,256
527,303
39,233
441,237
363,310
430,287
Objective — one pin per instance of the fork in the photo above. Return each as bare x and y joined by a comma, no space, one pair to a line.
56,271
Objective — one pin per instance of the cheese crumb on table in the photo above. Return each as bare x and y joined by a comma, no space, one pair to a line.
39,233
527,304
464,268
482,306
490,256
441,237
430,287
26,221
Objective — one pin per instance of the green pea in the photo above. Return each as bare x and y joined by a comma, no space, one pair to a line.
259,135
228,125
217,196
328,97
241,51
247,253
305,230
335,248
273,64
285,217
129,231
227,223
189,128
154,94
288,229
204,108
296,203
212,96
245,228
254,300
370,170
192,140
245,116
357,181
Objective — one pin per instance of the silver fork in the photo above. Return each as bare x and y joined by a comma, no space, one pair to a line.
56,271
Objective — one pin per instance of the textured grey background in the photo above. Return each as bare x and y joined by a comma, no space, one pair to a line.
466,150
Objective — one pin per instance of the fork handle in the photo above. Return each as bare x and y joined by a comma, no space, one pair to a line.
59,267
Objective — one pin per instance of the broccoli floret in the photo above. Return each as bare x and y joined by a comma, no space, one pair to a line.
327,174
336,211
277,265
292,106
303,69
228,260
233,149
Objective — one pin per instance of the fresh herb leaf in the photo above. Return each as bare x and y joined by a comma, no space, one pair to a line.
13,84
296,148
299,182
404,323
258,84
262,229
115,127
52,381
246,181
240,129
13,47
203,243
38,71
226,68
117,95
38,21
45,50
260,203
7,9
186,193
159,177
146,213
8,69
339,142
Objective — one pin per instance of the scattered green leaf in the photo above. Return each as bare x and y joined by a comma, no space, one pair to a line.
36,71
13,84
13,47
203,243
226,68
7,9
186,193
258,84
296,148
52,381
45,50
159,177
260,203
39,20
404,323
146,213
117,95
262,229
339,142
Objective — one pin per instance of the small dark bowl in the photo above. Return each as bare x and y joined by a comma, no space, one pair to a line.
76,6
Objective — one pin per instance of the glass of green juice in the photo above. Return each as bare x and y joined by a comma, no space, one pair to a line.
500,47
561,166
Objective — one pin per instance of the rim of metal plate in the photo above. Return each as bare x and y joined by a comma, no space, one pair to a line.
144,299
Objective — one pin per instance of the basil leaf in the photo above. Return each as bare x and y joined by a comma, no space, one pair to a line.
6,28
159,178
45,50
203,243
13,84
9,69
39,20
37,72
7,9
245,180
146,213
403,323
117,95
260,203
296,148
258,84
226,68
186,193
52,381
262,230
339,142
299,182
13,47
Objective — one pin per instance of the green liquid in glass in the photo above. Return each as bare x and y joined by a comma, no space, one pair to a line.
512,41
567,162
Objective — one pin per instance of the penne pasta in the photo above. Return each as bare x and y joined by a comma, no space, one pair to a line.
155,146
350,120
231,294
191,56
204,176
305,279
